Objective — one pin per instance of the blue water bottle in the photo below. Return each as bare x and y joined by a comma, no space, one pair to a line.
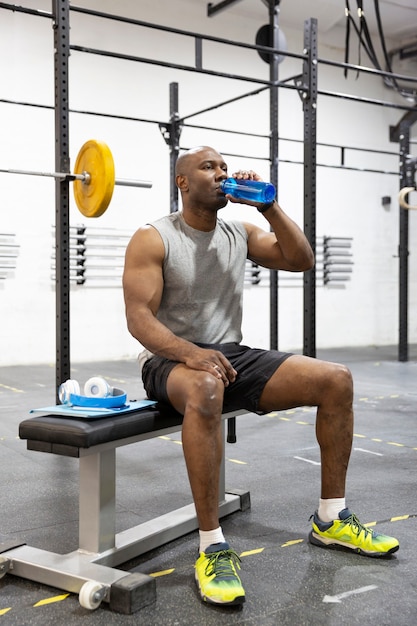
255,190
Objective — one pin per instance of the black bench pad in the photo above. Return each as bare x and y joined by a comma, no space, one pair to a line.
62,435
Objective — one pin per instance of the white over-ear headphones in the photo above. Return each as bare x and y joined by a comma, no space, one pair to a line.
97,393
97,387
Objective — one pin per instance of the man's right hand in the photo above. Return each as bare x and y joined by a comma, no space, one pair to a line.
214,362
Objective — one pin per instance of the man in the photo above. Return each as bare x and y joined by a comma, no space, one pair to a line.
183,284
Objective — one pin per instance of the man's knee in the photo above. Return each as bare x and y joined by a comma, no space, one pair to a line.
196,390
341,380
204,394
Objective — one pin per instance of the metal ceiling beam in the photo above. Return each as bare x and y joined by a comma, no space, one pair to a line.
213,9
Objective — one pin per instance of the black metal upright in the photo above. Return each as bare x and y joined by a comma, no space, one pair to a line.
310,162
172,133
60,10
174,144
404,140
273,151
401,133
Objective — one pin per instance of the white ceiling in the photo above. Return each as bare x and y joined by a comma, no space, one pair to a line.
399,17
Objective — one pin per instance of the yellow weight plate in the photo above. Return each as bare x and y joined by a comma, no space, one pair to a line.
93,197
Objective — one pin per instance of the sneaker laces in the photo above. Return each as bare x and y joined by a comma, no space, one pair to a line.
222,564
357,526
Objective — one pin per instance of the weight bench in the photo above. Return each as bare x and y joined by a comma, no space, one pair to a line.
90,570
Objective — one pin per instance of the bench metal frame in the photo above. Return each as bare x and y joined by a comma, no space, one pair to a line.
100,548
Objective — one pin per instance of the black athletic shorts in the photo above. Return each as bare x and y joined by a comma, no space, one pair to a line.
254,368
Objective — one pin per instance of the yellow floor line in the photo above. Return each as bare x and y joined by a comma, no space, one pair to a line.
250,552
4,611
12,388
164,572
52,600
293,542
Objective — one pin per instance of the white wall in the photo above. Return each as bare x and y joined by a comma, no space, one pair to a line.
348,202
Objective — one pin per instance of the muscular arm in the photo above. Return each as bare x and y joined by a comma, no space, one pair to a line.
143,286
286,248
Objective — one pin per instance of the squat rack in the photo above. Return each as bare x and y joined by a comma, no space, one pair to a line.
306,86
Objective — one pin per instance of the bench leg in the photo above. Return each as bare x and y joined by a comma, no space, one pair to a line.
97,501
161,530
97,515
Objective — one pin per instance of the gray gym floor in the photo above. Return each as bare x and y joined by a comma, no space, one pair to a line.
276,458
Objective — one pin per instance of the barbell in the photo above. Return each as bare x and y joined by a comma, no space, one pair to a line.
94,178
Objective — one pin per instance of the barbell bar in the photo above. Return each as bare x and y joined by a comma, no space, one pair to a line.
94,178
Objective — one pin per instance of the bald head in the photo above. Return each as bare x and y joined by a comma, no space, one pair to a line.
188,159
198,173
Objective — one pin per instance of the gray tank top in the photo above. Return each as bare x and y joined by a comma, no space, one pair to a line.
204,275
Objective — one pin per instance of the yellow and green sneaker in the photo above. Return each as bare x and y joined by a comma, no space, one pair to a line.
216,575
347,531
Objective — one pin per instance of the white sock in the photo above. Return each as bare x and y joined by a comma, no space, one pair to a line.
207,537
330,508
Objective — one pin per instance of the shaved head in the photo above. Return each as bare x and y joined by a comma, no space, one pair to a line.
185,160
198,174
